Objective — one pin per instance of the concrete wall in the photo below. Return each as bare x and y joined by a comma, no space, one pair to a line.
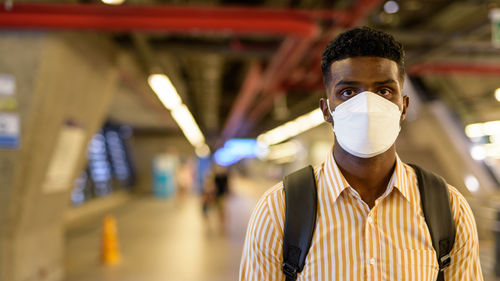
61,79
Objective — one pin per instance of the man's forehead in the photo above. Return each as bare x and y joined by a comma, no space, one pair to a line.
366,68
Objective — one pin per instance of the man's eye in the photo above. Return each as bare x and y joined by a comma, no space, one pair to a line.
384,91
347,93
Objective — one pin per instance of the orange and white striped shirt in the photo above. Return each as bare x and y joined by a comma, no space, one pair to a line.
351,242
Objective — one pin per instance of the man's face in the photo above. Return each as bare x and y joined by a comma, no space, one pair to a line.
352,76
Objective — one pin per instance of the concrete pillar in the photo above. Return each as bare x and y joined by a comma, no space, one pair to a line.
64,82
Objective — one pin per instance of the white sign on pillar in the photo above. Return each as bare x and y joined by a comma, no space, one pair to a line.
495,27
62,166
7,85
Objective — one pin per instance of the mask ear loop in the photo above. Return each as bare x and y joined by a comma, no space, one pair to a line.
328,105
329,110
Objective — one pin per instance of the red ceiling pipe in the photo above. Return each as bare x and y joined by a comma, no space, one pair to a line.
249,89
277,77
230,20
176,11
287,57
172,25
278,66
445,68
309,74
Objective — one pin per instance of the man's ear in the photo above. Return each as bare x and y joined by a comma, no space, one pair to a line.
326,112
406,103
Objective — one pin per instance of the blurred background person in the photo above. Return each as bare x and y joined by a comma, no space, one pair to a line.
215,193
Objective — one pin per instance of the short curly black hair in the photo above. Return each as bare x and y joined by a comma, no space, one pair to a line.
362,42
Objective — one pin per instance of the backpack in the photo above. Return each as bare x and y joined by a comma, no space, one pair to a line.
300,218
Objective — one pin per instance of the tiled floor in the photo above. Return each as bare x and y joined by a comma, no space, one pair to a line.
170,240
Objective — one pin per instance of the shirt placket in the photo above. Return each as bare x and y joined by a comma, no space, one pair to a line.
369,261
372,260
370,242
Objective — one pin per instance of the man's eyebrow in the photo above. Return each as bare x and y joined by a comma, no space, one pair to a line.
388,81
346,82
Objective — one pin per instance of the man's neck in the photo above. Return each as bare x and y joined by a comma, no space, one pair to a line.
368,176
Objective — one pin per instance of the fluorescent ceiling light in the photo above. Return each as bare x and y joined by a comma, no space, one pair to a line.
474,130
188,125
165,90
477,130
113,2
283,150
292,128
491,128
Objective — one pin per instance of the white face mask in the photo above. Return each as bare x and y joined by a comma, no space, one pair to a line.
366,125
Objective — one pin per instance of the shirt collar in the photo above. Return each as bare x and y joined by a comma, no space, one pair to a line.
334,180
336,183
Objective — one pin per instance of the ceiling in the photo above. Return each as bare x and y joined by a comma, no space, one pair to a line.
243,67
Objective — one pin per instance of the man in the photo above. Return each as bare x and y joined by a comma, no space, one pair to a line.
370,224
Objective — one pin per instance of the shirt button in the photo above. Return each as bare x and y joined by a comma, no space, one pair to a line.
370,220
372,261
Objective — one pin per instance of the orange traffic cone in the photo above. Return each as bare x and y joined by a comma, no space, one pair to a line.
110,248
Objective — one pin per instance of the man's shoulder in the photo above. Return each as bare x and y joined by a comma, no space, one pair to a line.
454,194
273,193
459,204
270,209
278,188
463,216
274,197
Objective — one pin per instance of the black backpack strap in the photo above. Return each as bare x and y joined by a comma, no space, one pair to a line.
438,216
300,219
